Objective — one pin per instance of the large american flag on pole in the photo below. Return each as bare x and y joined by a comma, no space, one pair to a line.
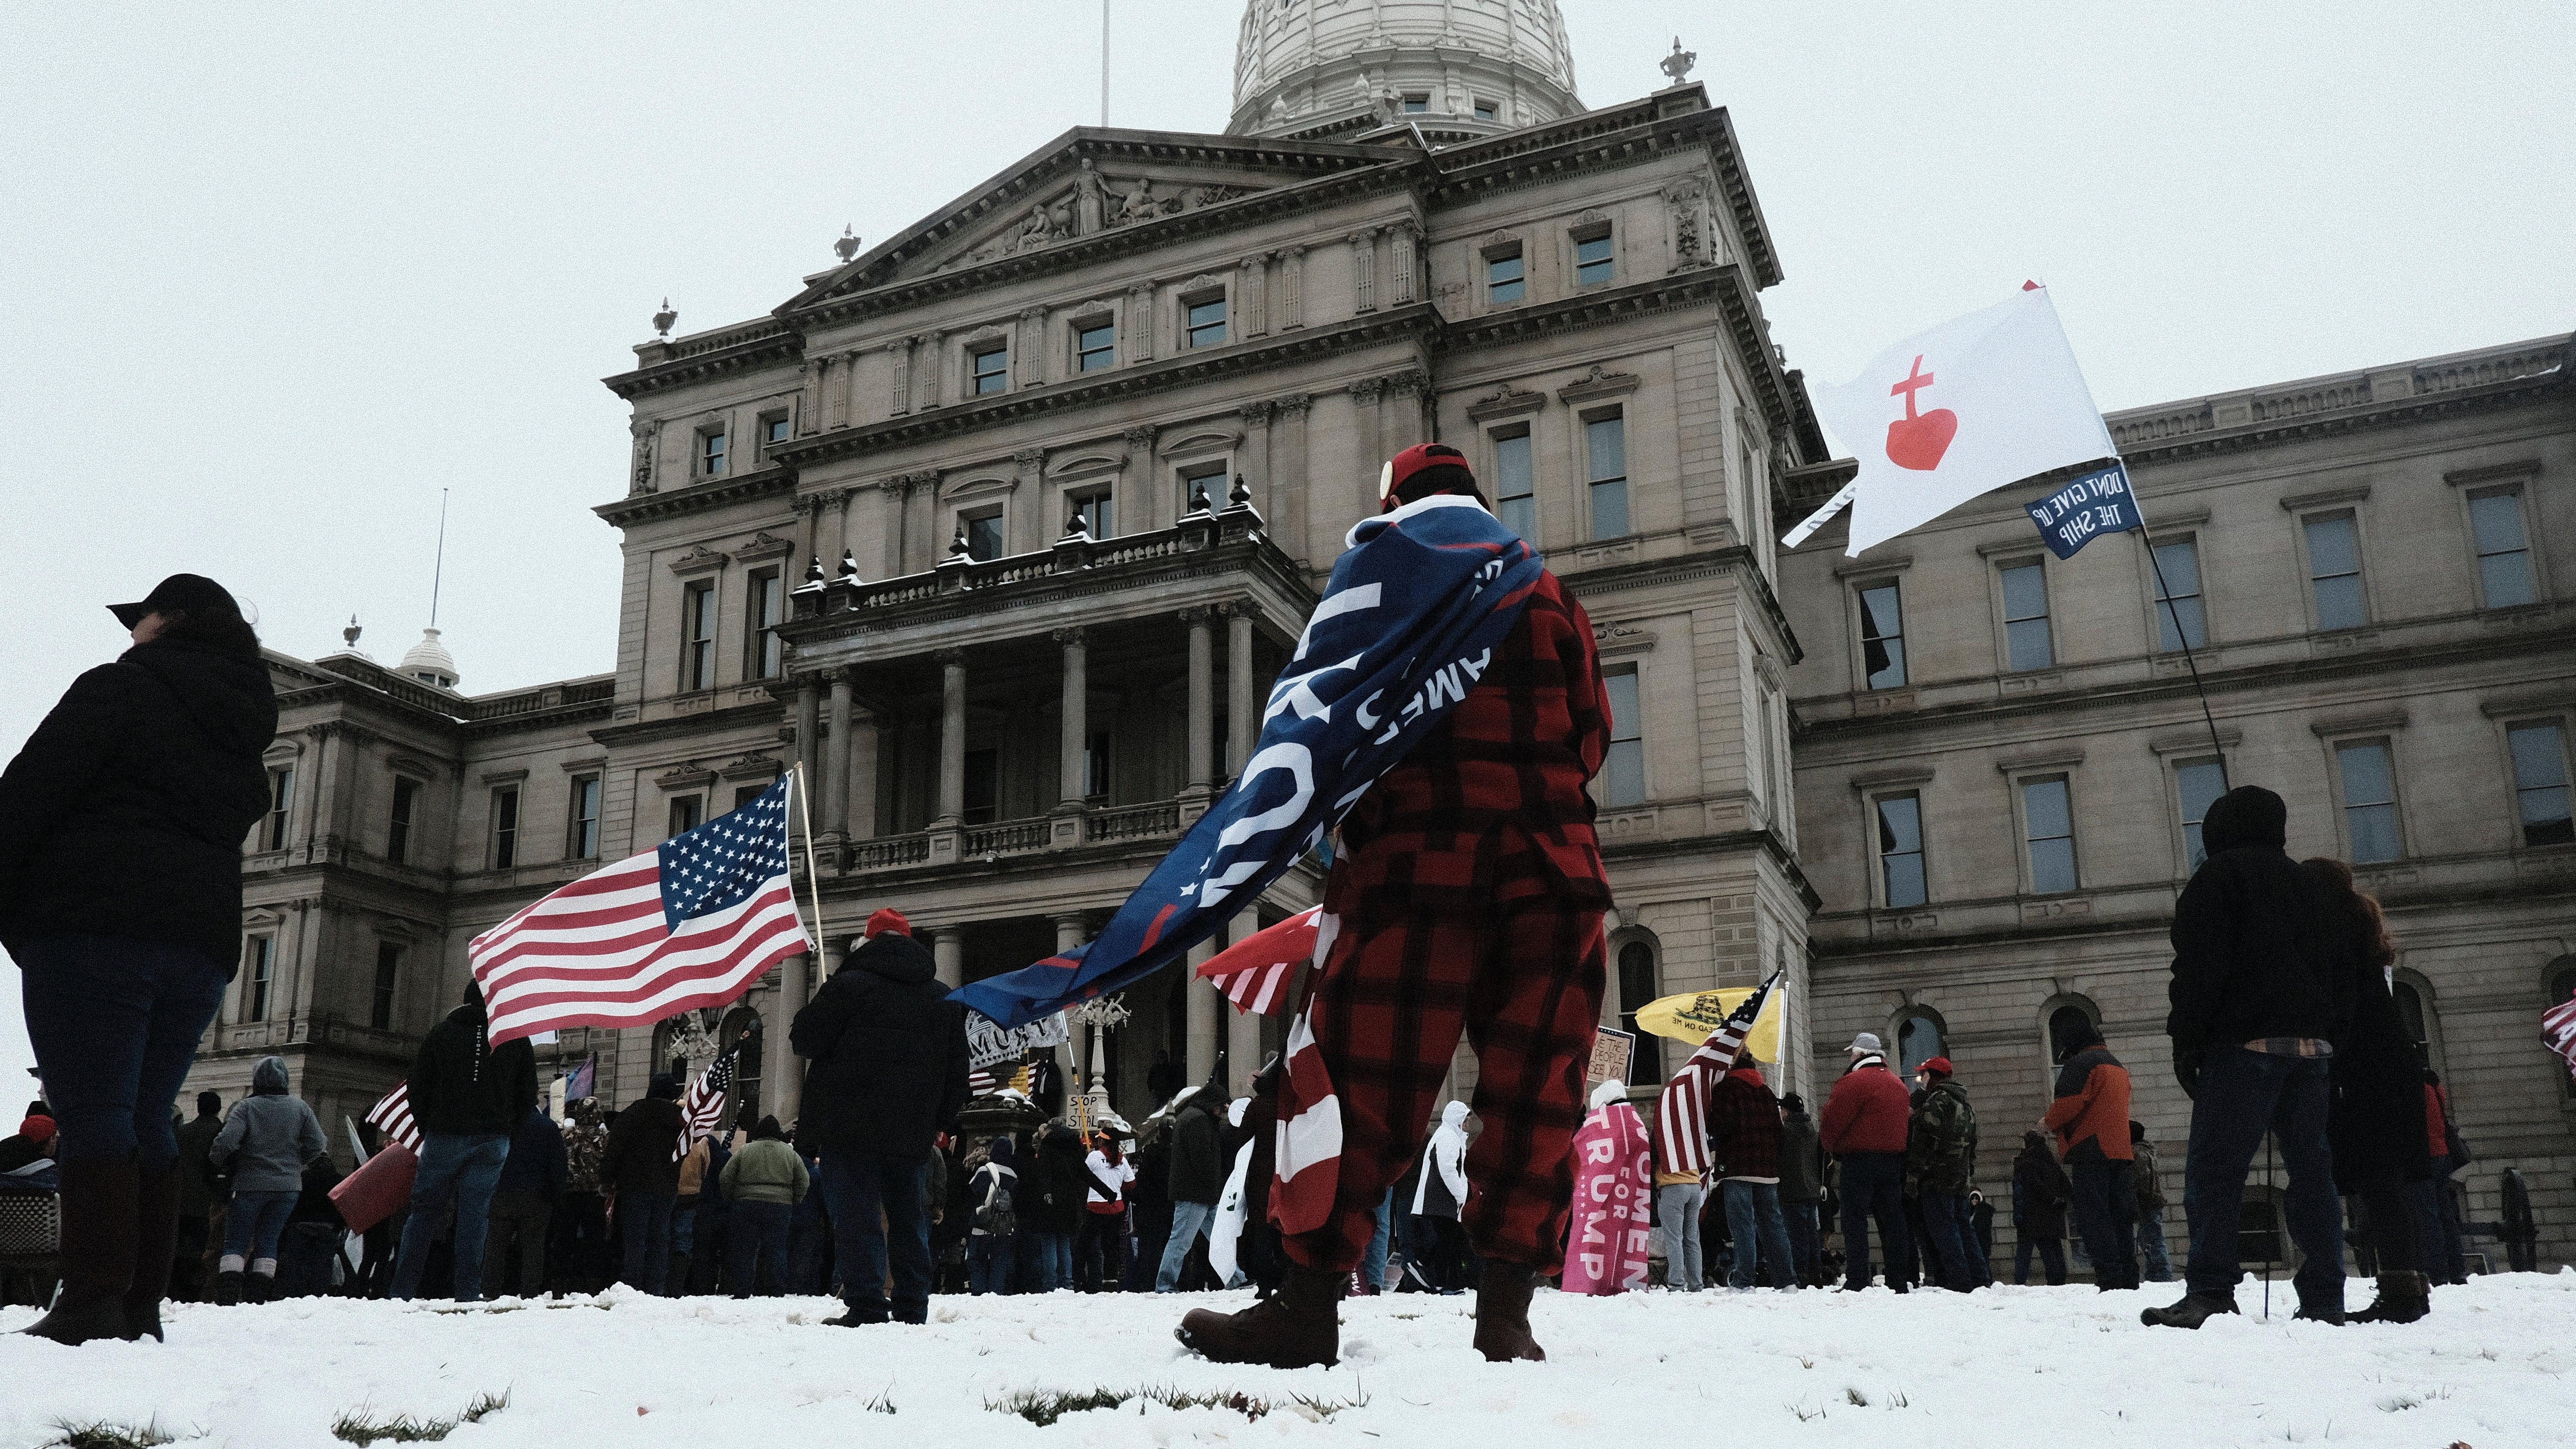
1681,1114
692,922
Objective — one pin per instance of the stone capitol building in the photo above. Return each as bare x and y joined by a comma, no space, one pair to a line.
1002,527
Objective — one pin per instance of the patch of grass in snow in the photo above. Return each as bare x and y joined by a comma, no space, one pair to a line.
1043,1407
1804,1414
99,1434
1859,1400
360,1427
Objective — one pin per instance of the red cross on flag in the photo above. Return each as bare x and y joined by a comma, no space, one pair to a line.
1944,416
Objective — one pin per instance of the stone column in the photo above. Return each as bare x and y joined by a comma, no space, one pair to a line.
1253,462
848,406
948,956
866,736
897,492
899,395
1364,400
1252,290
952,739
1364,269
1242,1028
1071,931
1288,475
1292,288
1412,423
1243,701
936,364
1202,709
1031,345
808,704
1074,739
836,761
1205,1004
827,402
787,1071
1408,238
809,405
1029,525
1140,323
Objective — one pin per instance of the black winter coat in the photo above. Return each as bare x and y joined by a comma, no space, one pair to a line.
1052,1187
1198,1168
2254,938
889,1054
2043,1190
638,1158
126,812
462,1084
2375,1120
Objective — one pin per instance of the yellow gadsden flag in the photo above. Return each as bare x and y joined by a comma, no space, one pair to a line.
1693,1015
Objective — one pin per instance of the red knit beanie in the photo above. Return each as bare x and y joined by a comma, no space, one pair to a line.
37,1128
887,919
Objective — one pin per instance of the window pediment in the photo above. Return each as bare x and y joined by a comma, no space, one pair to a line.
1088,465
698,560
1201,444
968,489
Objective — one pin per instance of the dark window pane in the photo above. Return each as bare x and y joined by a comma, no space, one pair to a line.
1416,105
1484,110
1593,262
2026,617
1610,510
1207,323
2540,784
2178,616
1882,636
2050,821
1503,277
984,537
1514,485
992,370
1605,447
2334,566
2028,640
1900,849
1096,348
2496,520
2199,784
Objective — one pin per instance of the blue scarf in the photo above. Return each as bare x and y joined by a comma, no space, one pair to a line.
1416,608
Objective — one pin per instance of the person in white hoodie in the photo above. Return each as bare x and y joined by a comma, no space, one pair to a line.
1440,1199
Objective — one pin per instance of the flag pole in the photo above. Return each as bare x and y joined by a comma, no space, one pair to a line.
813,877
2165,600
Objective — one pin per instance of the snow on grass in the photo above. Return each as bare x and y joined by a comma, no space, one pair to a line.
2494,1366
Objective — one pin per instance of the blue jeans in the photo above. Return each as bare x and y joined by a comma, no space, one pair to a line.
1954,1241
1753,1221
856,1188
1055,1260
1803,1248
1874,1187
466,1167
115,1023
253,1222
992,1262
1373,1261
644,1228
2151,1246
755,1231
2242,1095
2052,1259
1189,1221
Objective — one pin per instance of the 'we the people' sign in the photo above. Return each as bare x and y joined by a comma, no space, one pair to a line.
2090,505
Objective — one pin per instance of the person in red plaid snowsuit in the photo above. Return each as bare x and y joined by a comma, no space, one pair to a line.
1468,892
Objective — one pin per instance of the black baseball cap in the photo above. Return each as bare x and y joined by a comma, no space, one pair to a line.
191,594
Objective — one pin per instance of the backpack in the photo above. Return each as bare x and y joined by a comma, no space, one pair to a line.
995,1216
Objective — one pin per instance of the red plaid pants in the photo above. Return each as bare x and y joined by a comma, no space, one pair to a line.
1428,947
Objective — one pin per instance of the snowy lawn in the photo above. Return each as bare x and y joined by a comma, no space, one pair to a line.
2014,1366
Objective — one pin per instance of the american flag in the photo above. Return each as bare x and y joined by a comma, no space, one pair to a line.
692,922
702,1111
1253,972
392,1117
1681,1114
2558,1028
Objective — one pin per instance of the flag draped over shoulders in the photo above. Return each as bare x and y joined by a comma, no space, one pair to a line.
1606,1243
1417,607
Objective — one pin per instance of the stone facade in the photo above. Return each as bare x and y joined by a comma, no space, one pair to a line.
2431,657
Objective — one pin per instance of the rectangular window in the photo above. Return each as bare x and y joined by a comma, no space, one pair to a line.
1593,264
989,370
1485,111
281,800
263,965
505,827
983,786
398,830
2198,783
2334,571
764,607
1605,443
1623,770
1515,484
2540,783
380,1011
745,794
1202,487
984,537
776,428
2504,548
1099,519
1900,849
1882,636
2178,614
1095,349
1207,323
2048,823
2026,618
2369,800
1095,766
688,812
584,842
698,636
1416,105
711,453
1504,281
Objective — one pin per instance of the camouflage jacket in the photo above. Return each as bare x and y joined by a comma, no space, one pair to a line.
585,1143
1941,1141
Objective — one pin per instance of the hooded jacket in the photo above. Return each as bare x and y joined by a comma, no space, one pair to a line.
537,1163
1744,1127
2040,1190
1198,1165
640,1142
125,813
462,1085
2091,1113
1867,1111
1801,1177
1441,1191
2255,939
1052,1192
888,1054
270,1136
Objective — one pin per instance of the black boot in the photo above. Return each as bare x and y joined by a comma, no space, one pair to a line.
1297,1326
156,1245
228,1287
2403,1298
2192,1311
1502,1314
97,1252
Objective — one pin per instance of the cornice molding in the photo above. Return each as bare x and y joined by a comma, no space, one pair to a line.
715,492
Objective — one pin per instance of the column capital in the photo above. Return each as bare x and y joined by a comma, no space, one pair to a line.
1239,609
1142,436
1369,389
1029,458
1071,635
1196,614
1256,415
1295,404
951,657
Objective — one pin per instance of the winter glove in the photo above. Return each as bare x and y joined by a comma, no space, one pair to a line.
2187,1067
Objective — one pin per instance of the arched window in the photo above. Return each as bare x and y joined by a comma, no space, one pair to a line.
1636,988
1918,1040
2062,1024
2419,1013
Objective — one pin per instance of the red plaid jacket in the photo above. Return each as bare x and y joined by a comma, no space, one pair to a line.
1503,777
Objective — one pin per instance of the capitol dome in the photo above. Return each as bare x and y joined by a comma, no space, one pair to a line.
1341,67
429,662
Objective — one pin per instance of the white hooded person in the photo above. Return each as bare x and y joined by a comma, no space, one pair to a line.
1440,1200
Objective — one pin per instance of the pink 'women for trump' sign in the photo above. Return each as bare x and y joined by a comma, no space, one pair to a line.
1605,1249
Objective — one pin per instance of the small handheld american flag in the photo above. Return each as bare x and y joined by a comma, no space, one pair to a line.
703,1110
392,1117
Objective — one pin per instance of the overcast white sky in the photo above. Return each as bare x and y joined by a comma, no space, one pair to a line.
272,275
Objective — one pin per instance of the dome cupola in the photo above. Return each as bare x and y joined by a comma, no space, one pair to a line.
1341,68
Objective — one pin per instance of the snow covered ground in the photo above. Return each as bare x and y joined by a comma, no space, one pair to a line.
2494,1367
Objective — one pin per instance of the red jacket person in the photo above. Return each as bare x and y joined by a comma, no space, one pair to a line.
1467,897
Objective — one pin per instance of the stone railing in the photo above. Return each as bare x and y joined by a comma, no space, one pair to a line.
2158,424
1133,822
888,851
1073,554
2350,392
2482,371
1009,837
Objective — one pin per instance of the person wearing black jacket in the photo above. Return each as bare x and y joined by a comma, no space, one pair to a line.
2260,994
643,1181
888,1074
2376,1118
121,830
2040,1195
523,1200
196,1198
468,1097
1197,1180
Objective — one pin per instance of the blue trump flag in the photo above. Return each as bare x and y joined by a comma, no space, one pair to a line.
2089,505
1417,605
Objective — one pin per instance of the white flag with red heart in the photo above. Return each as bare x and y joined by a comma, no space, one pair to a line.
1947,415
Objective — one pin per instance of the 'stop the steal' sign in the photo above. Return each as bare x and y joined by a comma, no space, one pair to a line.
2088,506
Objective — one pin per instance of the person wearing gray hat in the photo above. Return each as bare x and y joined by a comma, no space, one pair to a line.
1866,1045
121,829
